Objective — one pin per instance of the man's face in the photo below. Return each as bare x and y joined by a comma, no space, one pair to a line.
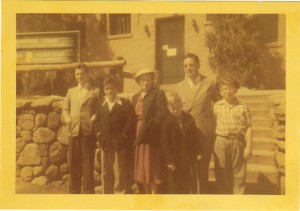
81,76
191,68
110,91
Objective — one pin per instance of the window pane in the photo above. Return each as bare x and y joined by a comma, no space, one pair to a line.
119,24
269,27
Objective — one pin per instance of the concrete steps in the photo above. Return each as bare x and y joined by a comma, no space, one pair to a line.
261,112
263,157
257,105
251,97
264,143
255,173
262,122
262,132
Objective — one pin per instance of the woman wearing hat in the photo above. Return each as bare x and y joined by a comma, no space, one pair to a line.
151,108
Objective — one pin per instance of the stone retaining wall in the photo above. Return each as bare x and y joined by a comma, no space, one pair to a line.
279,114
42,142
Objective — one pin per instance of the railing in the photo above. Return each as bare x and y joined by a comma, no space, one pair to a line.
55,79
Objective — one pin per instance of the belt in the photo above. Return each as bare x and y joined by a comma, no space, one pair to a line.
233,137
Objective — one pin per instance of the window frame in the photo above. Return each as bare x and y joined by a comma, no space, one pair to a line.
118,36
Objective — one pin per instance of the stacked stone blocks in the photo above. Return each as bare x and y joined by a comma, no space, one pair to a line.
279,114
41,141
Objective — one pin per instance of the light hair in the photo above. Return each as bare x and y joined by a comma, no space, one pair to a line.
228,80
173,98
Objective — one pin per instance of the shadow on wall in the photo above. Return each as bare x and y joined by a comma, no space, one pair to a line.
97,43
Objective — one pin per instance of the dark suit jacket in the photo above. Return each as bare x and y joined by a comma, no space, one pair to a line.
154,112
113,125
180,146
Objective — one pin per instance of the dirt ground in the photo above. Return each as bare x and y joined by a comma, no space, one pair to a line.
28,188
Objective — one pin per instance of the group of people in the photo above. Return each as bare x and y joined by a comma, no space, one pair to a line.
162,143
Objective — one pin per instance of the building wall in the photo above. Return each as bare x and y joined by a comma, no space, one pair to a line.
138,48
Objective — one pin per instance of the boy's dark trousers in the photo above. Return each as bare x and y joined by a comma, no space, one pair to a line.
114,171
81,164
182,180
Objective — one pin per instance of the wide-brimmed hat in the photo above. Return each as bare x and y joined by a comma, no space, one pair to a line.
143,72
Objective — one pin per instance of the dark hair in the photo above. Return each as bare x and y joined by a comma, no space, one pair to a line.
192,56
228,80
110,80
83,67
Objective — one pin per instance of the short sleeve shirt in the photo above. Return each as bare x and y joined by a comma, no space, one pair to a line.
233,119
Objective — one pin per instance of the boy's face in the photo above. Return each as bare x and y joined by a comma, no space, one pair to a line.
191,68
175,108
110,91
81,76
228,92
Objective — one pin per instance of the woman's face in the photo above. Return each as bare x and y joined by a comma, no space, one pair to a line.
145,82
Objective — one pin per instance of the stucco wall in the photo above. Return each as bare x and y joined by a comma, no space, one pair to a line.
138,49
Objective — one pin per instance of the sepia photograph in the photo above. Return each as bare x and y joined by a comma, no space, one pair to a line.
171,103
150,105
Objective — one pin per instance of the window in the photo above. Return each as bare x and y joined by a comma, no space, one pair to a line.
119,24
269,27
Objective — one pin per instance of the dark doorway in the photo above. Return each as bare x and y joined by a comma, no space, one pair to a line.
170,49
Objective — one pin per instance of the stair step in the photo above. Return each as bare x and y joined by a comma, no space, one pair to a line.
262,132
262,122
263,144
263,157
253,98
257,105
256,173
260,113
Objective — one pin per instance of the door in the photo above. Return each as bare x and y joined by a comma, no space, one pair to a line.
170,49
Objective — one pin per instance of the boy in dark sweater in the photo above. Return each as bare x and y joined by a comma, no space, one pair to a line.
115,130
181,147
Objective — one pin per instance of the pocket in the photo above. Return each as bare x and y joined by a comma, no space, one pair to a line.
69,127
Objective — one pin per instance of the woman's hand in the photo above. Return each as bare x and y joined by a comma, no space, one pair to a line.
172,166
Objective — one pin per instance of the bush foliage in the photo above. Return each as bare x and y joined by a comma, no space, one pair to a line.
237,47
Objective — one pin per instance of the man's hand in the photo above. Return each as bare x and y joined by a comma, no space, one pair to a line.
93,118
69,125
199,157
247,153
172,166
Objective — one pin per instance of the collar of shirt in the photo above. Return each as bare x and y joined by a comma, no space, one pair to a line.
143,94
112,103
194,83
236,102
84,86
